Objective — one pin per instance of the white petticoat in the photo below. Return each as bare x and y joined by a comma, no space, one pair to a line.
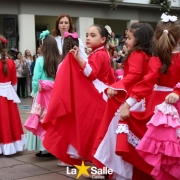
12,148
6,90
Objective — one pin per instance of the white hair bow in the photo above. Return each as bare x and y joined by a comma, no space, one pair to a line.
166,18
108,29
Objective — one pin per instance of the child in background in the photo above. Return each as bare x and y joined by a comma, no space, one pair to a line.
135,64
159,145
12,138
44,75
80,87
118,71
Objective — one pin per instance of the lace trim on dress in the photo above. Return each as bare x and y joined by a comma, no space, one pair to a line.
39,110
132,139
122,128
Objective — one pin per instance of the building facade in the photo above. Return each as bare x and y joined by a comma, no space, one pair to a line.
21,21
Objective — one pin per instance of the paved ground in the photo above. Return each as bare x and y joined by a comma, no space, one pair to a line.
26,166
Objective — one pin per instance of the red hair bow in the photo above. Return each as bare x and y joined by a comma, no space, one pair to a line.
4,40
74,35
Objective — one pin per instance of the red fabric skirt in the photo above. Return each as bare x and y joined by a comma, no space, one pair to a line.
11,129
137,125
74,114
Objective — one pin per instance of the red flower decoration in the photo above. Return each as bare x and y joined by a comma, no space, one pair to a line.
4,40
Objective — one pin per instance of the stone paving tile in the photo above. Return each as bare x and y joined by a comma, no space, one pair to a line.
50,165
21,171
31,158
52,176
7,161
22,153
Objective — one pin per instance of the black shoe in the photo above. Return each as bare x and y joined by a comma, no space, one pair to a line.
39,154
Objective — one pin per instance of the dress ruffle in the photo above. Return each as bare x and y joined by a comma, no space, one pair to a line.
14,147
33,125
39,109
160,145
165,114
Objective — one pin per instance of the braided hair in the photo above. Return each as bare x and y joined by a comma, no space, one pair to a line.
69,43
3,51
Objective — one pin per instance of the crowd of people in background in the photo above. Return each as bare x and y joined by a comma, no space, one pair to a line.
24,86
116,48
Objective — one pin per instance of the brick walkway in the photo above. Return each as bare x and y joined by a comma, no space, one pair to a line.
26,166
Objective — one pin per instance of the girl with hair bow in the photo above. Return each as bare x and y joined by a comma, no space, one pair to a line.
42,83
64,24
79,88
158,144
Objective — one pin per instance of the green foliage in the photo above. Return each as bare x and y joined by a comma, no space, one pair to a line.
165,4
113,5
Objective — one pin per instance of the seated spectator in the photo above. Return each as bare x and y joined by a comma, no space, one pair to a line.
121,54
118,71
122,40
115,56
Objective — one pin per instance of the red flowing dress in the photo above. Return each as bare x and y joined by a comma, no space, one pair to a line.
135,68
76,107
12,137
136,124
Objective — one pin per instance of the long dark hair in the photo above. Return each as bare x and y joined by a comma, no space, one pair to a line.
69,43
51,55
3,54
166,38
143,33
56,31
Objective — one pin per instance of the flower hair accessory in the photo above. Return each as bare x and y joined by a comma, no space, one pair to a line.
44,34
166,18
108,29
4,40
74,35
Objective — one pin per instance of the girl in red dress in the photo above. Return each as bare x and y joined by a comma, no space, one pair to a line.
12,137
78,100
139,44
159,145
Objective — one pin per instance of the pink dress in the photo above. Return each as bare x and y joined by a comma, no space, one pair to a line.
39,109
160,146
154,134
